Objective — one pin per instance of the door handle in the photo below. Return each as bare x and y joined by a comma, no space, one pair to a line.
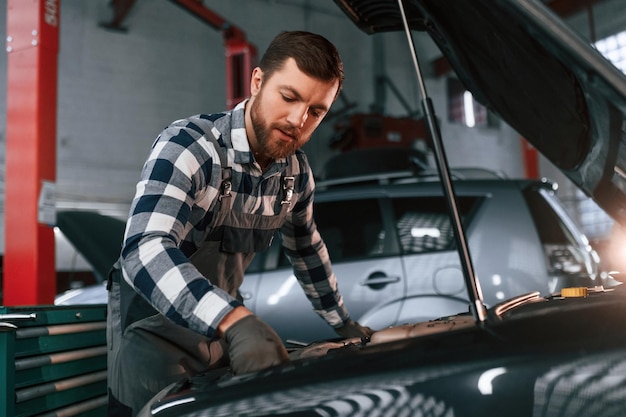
379,280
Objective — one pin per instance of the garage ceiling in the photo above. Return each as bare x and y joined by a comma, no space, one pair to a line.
121,8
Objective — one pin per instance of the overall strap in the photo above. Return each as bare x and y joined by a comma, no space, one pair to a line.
288,187
227,178
225,188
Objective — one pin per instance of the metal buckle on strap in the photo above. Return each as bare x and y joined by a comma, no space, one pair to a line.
226,187
287,190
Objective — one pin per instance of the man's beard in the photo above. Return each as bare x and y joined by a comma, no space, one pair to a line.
276,148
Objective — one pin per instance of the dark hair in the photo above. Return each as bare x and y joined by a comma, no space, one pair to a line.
315,55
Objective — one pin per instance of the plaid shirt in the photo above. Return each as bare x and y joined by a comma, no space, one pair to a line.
173,206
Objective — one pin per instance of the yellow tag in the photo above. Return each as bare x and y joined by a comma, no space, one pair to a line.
574,292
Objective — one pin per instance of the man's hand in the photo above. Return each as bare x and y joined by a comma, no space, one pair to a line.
253,345
353,329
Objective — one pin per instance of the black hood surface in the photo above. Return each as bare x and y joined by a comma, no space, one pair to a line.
98,238
526,65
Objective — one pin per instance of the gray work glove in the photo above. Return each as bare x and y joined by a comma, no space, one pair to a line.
352,329
253,345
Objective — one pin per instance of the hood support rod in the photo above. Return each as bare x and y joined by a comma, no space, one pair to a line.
471,282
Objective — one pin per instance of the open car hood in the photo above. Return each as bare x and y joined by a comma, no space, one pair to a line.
523,63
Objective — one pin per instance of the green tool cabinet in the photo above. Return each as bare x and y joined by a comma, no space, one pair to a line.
54,361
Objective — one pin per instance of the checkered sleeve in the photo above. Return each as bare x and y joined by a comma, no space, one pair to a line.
179,169
307,252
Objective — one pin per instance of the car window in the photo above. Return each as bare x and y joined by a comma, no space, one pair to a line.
550,227
562,243
351,229
423,224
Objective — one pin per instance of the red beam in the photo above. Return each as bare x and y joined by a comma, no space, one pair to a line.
121,9
241,55
565,8
32,45
530,158
441,66
205,14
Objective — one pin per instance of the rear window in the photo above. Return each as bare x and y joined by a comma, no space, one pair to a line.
564,247
351,229
550,227
423,224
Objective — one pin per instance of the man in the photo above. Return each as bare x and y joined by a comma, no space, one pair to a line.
212,193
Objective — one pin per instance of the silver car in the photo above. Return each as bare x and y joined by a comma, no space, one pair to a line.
393,250
394,253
